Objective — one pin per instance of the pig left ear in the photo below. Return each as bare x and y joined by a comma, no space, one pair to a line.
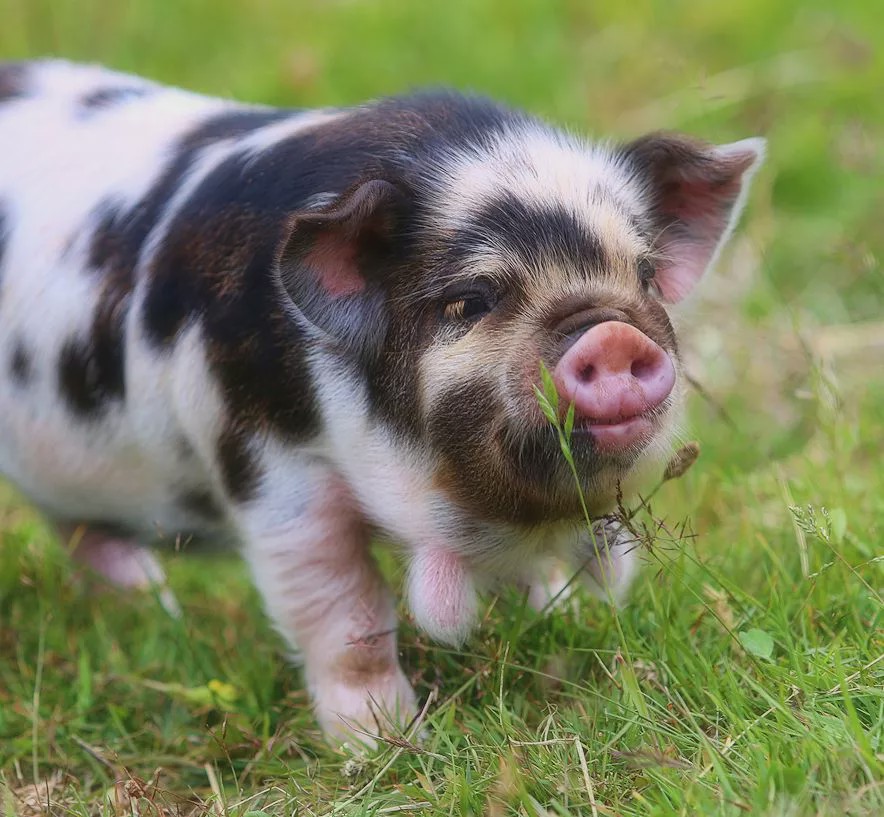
696,191
334,260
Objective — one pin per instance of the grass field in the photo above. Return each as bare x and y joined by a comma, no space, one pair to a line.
746,675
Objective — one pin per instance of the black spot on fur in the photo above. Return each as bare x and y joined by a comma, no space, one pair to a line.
221,269
108,256
12,81
536,233
239,469
20,363
105,98
200,503
79,379
107,248
92,370
171,302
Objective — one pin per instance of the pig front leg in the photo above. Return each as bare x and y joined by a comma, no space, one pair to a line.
550,585
605,561
327,598
610,560
442,594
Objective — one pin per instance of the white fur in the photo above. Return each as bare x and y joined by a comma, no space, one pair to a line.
543,167
538,165
263,138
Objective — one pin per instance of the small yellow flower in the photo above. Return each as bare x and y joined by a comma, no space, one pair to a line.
224,692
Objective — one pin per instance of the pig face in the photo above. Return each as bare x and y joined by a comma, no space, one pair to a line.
449,288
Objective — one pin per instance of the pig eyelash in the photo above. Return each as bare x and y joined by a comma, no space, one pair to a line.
469,306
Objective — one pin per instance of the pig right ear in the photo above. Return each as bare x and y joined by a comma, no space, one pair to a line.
333,261
696,192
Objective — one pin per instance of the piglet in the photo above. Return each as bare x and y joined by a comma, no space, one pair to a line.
296,330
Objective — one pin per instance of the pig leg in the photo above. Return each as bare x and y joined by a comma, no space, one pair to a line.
442,595
610,559
327,598
551,585
606,561
119,561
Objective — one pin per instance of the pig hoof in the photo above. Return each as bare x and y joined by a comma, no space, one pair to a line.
126,565
360,713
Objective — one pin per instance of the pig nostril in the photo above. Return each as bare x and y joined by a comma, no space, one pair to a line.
586,374
641,368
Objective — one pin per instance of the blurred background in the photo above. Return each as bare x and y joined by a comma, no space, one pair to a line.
785,338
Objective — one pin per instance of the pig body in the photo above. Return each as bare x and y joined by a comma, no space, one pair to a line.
293,330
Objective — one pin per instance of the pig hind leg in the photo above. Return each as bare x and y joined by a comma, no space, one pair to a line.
120,561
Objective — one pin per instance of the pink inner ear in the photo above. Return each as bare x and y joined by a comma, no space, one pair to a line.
677,276
335,263
701,199
702,210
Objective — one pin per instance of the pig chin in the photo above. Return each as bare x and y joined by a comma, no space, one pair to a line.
604,468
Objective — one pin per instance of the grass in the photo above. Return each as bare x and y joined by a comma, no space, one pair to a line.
746,675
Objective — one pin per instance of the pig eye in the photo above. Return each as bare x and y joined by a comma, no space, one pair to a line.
468,306
646,273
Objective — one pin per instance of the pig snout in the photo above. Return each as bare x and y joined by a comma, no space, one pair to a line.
614,374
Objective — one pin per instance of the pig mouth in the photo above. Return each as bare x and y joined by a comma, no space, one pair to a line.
602,447
615,434
597,445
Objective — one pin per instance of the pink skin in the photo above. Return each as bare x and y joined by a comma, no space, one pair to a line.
335,264
615,375
442,594
121,562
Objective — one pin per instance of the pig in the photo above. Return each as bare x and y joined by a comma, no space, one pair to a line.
295,331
